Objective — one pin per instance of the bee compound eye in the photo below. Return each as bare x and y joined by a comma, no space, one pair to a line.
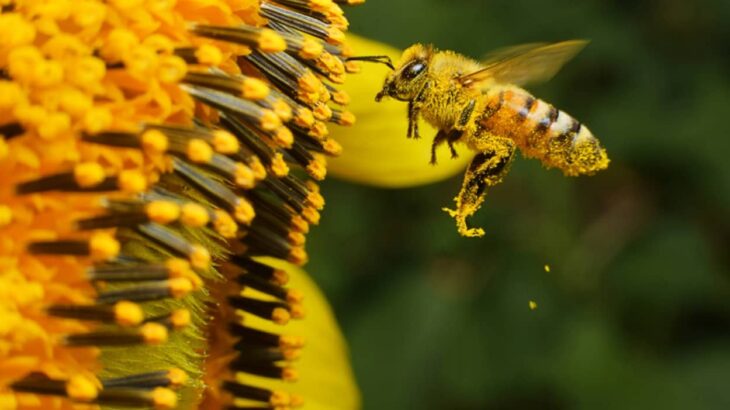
413,70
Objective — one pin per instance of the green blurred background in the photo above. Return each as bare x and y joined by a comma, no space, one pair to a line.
635,313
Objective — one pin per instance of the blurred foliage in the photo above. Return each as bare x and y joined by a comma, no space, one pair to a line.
635,312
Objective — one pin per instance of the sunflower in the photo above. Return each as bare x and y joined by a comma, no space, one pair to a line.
159,163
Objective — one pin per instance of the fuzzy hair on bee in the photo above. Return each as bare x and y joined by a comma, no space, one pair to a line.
482,105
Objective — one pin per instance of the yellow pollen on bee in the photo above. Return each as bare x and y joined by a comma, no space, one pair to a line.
532,304
244,212
164,399
88,174
209,54
199,151
103,246
200,257
128,313
194,215
271,42
82,388
225,142
132,182
547,268
162,212
254,89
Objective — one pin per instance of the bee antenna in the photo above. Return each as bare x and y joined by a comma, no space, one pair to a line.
374,59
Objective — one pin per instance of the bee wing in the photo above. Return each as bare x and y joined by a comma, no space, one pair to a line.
527,63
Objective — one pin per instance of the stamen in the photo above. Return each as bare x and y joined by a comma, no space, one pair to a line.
254,337
275,398
267,120
260,270
265,370
260,38
197,255
249,88
158,398
100,246
163,378
303,23
171,288
149,333
122,313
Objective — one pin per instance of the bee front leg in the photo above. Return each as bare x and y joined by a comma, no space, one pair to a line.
413,109
486,169
440,137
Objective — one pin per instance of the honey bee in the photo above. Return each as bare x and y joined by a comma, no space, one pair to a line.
482,105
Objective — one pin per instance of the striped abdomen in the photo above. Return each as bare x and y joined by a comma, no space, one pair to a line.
544,132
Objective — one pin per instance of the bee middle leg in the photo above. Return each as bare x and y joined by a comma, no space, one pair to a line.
486,169
445,136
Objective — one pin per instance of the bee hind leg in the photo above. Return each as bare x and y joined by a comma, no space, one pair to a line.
486,169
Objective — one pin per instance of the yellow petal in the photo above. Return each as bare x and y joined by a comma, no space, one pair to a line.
376,150
326,381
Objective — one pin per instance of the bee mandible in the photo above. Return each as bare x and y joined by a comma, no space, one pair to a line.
482,105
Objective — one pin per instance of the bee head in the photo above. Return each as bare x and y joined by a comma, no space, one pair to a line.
408,78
